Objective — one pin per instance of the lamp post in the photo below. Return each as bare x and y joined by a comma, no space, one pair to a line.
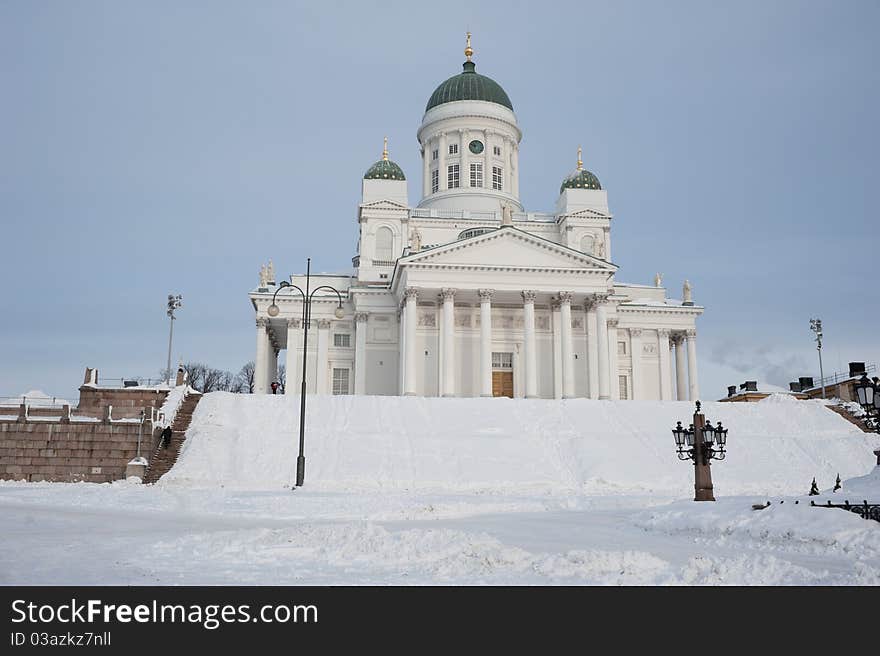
701,438
174,302
868,396
273,311
816,327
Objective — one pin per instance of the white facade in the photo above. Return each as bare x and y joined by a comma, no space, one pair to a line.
466,294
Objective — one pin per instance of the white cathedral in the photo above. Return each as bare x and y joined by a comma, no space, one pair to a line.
467,294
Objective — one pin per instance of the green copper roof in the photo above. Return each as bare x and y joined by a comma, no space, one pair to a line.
469,85
580,179
384,169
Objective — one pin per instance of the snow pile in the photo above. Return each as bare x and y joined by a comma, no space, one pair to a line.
35,397
171,405
496,445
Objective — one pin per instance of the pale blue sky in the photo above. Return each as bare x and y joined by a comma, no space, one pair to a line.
157,146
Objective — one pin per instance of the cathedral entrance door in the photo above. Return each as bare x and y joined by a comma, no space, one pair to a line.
502,383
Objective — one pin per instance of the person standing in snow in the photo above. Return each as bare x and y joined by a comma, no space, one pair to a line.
166,437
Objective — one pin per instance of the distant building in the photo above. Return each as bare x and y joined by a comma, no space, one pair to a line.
839,385
752,391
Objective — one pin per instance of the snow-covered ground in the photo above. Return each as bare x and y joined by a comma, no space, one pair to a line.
415,491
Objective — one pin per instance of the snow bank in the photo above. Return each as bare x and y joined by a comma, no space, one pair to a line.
171,405
496,445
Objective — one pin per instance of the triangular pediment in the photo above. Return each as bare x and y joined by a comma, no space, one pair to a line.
508,247
383,205
587,213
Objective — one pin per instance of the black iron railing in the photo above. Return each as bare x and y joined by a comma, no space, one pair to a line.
864,510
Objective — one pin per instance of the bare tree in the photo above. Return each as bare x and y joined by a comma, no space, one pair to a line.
245,378
282,377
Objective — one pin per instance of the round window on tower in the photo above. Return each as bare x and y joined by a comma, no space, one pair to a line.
476,147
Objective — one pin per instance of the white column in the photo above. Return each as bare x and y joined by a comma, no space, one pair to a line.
426,174
680,385
613,364
448,296
567,350
360,353
272,369
410,322
663,349
514,173
442,162
693,383
464,158
293,385
507,177
261,361
531,344
635,344
401,350
603,359
592,351
486,341
321,386
557,349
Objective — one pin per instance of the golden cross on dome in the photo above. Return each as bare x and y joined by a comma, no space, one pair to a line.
468,51
580,161
385,150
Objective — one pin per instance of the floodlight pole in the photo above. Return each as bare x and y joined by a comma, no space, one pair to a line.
816,327
174,302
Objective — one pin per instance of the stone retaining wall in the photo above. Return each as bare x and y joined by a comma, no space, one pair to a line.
96,452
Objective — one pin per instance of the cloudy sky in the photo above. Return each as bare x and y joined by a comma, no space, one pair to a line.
156,147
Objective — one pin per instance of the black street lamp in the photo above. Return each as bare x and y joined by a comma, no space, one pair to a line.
273,311
868,396
701,440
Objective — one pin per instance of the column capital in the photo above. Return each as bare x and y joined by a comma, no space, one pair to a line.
411,293
565,297
294,323
485,294
612,323
447,293
676,337
554,304
663,332
691,333
529,295
635,332
323,324
361,317
262,322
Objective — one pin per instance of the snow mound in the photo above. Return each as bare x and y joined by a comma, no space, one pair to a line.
780,397
497,445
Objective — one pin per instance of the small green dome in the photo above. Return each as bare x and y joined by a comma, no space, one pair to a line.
469,85
384,169
580,179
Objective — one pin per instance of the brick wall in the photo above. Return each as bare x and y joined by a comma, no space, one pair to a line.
79,451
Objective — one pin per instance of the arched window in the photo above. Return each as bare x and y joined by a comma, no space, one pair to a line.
473,232
587,242
384,244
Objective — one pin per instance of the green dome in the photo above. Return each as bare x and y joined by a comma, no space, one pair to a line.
384,169
580,179
469,85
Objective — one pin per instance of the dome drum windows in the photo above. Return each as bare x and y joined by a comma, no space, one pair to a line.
435,181
497,178
453,149
452,176
476,175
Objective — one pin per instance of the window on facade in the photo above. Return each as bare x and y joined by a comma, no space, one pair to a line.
621,348
342,340
435,181
340,381
476,175
435,154
621,382
497,178
384,244
497,150
452,177
453,149
502,360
